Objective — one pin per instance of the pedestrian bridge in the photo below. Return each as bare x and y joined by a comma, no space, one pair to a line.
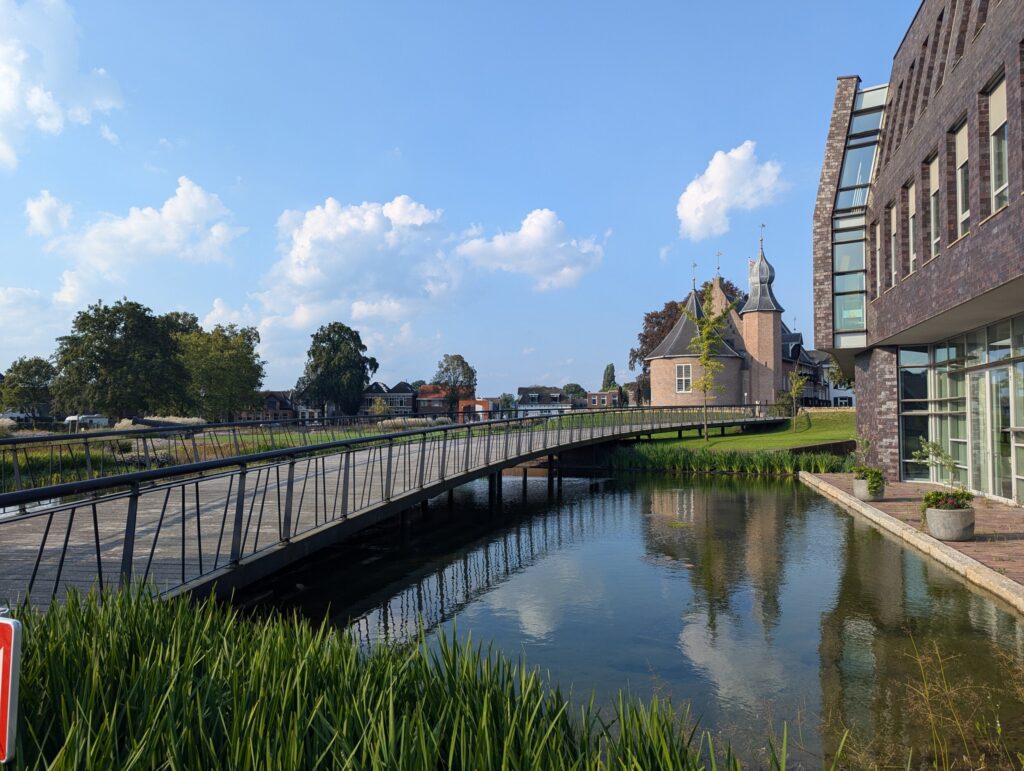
225,522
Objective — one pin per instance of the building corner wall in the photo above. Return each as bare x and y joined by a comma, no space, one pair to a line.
878,418
762,336
835,145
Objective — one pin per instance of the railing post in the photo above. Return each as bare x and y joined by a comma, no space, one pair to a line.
236,532
423,460
469,444
88,459
145,450
128,549
387,472
286,528
344,485
487,448
15,467
444,453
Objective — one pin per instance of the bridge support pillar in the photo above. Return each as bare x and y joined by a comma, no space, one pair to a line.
425,509
524,484
492,492
723,430
497,487
551,474
451,498
559,474
403,526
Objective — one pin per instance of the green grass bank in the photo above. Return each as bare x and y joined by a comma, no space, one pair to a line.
811,428
141,683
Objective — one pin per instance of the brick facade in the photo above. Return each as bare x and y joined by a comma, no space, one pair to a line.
878,420
663,383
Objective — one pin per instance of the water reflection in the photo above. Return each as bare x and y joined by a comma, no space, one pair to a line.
753,601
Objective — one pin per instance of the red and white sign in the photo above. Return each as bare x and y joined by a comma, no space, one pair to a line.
10,650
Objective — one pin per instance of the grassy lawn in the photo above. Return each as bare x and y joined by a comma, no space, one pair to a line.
816,428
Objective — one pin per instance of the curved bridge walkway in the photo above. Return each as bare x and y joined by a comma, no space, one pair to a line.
223,523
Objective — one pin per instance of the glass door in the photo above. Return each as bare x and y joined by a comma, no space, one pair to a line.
978,413
1002,439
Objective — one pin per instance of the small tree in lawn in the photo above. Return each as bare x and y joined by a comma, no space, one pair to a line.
705,344
796,390
608,380
379,407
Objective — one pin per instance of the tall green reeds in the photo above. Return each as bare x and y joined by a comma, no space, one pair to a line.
759,463
137,682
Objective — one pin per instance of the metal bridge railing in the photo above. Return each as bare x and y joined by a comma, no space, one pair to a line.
177,525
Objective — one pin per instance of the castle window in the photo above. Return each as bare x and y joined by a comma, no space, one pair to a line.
684,379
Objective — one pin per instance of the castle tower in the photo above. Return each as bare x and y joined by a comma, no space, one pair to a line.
762,332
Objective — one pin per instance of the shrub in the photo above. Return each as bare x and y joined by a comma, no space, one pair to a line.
7,426
947,499
874,477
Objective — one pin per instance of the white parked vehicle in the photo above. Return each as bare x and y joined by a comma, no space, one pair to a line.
76,423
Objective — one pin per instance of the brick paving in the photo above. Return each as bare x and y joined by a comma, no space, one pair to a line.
999,527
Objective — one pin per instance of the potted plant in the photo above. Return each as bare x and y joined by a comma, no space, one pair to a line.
868,483
947,513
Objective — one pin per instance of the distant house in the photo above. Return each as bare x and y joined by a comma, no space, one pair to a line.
602,400
541,400
399,400
836,397
474,410
280,405
433,400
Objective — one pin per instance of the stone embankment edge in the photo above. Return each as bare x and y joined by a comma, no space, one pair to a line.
1006,589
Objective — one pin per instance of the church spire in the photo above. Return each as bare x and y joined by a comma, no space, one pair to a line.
761,275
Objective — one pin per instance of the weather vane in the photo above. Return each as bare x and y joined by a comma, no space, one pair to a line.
718,263
693,273
762,236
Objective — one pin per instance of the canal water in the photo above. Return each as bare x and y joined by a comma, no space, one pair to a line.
754,602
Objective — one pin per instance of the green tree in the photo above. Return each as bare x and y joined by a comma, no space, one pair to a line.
225,371
730,289
574,390
656,326
796,390
337,369
456,378
608,381
379,407
835,375
119,360
706,344
507,404
26,386
417,383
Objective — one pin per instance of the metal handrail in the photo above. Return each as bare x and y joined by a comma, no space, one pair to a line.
191,522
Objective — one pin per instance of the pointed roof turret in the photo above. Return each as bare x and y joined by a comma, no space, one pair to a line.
677,341
761,276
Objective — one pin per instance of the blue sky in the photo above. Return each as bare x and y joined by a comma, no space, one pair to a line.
516,182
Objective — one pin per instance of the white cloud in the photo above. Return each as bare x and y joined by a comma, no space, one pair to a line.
41,85
732,180
30,324
191,225
386,308
108,133
47,214
540,249
222,313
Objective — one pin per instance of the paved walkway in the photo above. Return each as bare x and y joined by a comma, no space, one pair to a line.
999,531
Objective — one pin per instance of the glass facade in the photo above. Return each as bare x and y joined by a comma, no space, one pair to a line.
967,394
849,286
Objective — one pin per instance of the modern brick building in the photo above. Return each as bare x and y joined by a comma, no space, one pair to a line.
919,246
757,351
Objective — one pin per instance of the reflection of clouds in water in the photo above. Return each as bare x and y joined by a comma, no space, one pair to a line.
540,599
744,670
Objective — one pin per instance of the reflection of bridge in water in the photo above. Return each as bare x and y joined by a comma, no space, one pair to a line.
429,600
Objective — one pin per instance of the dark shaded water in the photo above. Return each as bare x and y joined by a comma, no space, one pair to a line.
754,602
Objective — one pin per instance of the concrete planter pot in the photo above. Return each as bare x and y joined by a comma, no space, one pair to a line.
950,524
861,492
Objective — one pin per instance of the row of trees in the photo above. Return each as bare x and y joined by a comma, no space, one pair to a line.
123,360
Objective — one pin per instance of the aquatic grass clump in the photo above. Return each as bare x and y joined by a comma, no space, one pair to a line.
655,456
138,682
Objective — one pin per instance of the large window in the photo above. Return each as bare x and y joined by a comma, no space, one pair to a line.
912,226
684,380
894,246
933,206
997,146
963,202
913,366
